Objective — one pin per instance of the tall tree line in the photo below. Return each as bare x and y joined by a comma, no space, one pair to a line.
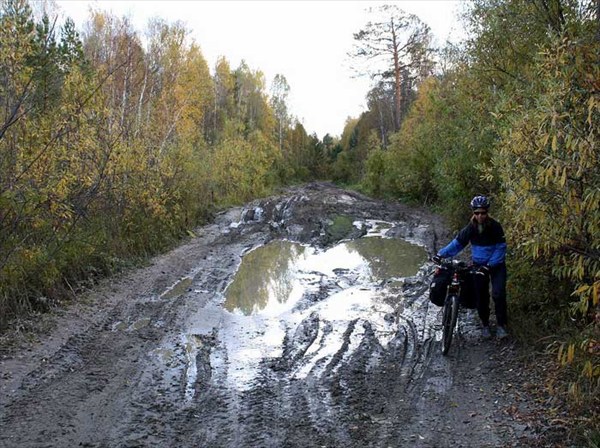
111,148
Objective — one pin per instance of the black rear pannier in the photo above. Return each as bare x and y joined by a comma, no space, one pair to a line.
439,286
467,290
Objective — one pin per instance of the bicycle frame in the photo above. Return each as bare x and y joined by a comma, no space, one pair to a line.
454,286
452,301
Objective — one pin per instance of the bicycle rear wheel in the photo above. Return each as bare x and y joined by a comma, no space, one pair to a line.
449,322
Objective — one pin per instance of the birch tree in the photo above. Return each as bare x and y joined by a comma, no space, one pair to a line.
280,90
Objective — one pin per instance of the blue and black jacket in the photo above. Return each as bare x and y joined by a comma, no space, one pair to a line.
488,244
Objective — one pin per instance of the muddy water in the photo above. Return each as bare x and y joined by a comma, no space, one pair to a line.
283,288
178,288
267,278
273,277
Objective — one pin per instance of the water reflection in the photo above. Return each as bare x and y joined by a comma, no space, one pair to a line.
273,277
267,272
389,257
177,289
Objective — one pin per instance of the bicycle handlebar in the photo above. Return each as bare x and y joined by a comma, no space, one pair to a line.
458,265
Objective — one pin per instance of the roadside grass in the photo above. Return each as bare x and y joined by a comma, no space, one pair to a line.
561,350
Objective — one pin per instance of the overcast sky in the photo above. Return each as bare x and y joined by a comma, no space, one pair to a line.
306,41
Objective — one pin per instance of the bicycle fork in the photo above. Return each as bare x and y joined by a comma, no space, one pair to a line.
451,308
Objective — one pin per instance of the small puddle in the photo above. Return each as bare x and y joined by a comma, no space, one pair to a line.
164,354
178,289
139,324
191,344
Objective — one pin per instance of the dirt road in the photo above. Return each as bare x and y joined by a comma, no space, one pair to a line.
158,357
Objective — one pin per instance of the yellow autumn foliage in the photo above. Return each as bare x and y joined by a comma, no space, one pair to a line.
137,144
550,169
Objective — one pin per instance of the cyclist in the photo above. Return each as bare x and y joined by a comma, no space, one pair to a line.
488,251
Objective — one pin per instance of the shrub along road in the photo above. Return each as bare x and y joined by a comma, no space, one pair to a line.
153,358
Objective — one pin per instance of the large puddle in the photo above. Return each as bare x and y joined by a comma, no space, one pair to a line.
271,278
283,286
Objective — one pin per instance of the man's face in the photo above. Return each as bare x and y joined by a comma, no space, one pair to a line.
481,215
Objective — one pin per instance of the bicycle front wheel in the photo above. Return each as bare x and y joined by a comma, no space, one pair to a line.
449,322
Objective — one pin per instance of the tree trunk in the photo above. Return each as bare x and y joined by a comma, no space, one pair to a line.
141,102
598,20
397,80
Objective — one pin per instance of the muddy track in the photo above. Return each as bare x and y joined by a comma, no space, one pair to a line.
152,359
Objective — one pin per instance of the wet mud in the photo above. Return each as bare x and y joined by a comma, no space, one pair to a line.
299,320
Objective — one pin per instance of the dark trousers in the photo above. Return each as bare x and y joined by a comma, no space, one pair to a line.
497,278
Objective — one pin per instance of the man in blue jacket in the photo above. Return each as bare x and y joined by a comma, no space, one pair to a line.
488,251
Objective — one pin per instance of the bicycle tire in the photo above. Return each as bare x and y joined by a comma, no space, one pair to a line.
449,322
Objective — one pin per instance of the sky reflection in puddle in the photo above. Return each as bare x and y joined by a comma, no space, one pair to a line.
272,278
260,306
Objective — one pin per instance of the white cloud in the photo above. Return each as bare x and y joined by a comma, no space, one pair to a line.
306,41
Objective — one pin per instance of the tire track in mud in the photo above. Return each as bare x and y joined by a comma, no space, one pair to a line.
181,384
158,368
91,373
90,385
331,406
